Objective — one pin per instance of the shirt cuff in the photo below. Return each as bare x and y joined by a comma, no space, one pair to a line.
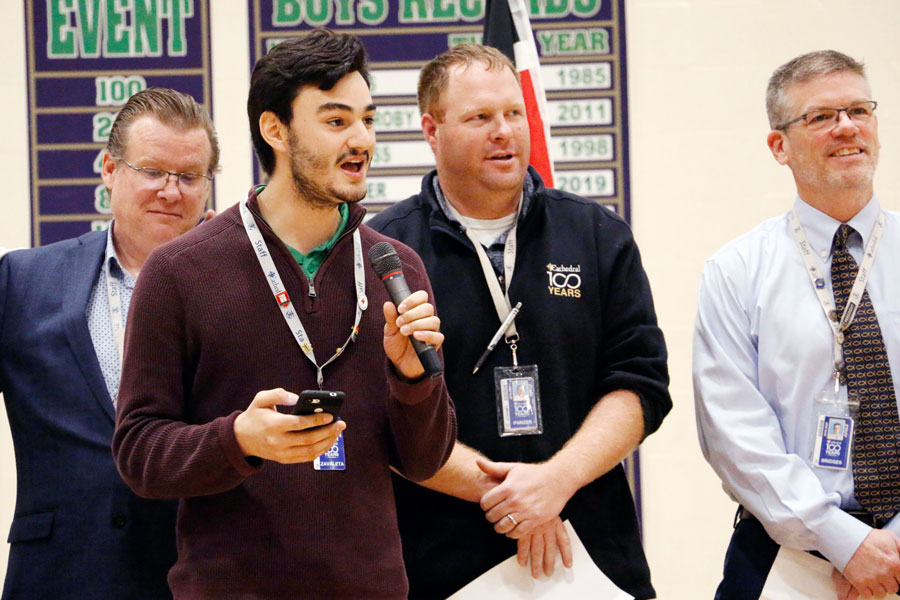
839,537
893,525
244,465
410,392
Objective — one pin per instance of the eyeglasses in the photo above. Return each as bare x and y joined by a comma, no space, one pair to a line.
157,179
823,118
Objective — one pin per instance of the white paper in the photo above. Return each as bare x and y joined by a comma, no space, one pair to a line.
509,580
798,575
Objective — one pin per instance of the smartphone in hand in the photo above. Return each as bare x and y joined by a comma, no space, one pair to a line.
313,402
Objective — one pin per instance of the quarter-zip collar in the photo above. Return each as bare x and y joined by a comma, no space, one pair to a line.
310,297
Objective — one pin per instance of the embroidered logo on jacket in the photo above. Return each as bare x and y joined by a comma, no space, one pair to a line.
564,280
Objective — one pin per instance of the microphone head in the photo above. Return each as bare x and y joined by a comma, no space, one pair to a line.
384,259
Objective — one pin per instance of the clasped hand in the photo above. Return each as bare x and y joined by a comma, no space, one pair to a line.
525,506
873,570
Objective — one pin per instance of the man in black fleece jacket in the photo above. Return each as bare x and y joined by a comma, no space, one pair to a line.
587,323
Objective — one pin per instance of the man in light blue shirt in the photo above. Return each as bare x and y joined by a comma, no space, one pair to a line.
764,348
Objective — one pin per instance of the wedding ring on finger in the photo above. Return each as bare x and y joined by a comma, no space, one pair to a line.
511,518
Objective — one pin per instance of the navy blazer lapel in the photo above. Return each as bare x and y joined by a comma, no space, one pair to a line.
82,266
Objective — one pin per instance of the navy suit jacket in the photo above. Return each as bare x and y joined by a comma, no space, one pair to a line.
78,530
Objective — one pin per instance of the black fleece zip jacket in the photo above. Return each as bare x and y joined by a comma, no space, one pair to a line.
587,321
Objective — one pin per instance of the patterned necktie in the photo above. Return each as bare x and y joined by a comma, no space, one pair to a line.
876,443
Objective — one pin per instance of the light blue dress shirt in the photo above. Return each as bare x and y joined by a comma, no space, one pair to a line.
762,351
98,317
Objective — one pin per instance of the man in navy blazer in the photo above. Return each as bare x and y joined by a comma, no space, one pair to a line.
78,530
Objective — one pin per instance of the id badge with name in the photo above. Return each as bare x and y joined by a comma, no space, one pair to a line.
334,458
518,400
833,437
832,434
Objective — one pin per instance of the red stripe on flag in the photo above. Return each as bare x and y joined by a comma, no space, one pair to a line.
540,153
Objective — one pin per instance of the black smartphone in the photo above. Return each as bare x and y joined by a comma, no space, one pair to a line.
313,402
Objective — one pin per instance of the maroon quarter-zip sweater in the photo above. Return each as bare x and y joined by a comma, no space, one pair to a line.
204,336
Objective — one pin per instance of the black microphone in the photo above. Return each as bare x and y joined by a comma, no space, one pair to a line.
387,266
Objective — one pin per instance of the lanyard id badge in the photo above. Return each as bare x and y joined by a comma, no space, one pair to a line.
518,400
834,409
334,459
516,388
834,413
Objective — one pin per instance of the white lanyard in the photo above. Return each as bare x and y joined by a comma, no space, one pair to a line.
115,311
501,298
284,302
838,326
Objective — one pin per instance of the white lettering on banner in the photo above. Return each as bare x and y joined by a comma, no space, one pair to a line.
579,148
394,82
568,113
387,188
395,117
402,154
587,182
577,76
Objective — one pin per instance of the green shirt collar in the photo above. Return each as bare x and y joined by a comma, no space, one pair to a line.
311,261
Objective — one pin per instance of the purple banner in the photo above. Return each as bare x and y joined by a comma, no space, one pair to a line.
581,44
85,59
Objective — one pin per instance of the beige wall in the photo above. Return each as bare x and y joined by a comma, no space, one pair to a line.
701,175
